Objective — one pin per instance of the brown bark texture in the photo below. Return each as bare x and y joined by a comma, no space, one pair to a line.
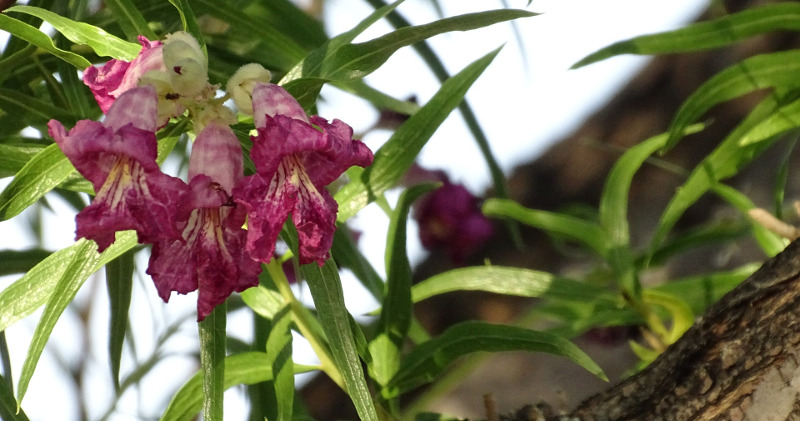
739,362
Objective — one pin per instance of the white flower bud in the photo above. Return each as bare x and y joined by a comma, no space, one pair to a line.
240,85
186,64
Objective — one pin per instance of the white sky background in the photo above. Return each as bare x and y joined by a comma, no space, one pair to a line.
521,109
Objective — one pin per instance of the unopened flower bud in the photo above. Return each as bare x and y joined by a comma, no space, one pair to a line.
240,85
186,64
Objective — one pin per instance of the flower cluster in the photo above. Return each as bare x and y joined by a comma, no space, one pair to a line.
197,227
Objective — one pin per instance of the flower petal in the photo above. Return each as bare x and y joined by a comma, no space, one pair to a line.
271,100
217,153
268,202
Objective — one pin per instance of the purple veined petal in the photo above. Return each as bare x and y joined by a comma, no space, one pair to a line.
271,100
325,166
282,136
210,257
110,81
268,203
217,153
137,106
314,215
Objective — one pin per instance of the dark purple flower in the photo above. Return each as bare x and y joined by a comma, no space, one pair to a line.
295,158
450,219
210,256
111,80
118,157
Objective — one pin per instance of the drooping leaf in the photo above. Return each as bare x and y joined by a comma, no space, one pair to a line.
103,43
279,350
773,70
119,281
395,317
213,343
587,233
424,363
20,261
246,368
707,35
8,404
40,39
398,153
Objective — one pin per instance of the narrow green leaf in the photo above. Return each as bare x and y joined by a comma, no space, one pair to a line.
700,291
119,281
189,21
265,302
32,110
774,70
103,43
246,368
423,364
41,40
14,157
40,174
771,243
35,288
333,62
85,261
784,119
707,35
20,261
130,19
326,290
347,255
76,95
212,361
613,208
8,404
396,315
509,281
279,350
588,233
723,162
396,156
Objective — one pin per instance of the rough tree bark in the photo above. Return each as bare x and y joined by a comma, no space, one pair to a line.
739,362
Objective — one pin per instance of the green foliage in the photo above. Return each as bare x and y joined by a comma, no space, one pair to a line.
39,81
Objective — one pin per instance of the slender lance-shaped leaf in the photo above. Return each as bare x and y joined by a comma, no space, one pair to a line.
130,19
189,21
774,70
782,120
354,61
9,410
326,290
40,39
103,43
707,35
212,361
588,233
395,317
246,368
14,157
279,350
437,67
41,174
20,261
721,163
32,110
119,281
423,364
35,288
85,262
614,200
508,281
398,153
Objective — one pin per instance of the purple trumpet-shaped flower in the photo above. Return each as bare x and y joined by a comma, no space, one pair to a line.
450,219
294,162
118,157
114,78
210,255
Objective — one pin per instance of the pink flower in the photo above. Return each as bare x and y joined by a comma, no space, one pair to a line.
210,255
294,162
117,76
118,157
450,219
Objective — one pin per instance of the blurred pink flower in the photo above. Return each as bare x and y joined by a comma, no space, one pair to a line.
450,219
210,255
118,157
111,80
294,162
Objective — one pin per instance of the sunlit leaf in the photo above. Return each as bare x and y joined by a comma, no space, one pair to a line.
398,153
279,350
707,35
41,40
103,43
425,362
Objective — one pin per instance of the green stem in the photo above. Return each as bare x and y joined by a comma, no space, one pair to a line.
301,317
212,362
